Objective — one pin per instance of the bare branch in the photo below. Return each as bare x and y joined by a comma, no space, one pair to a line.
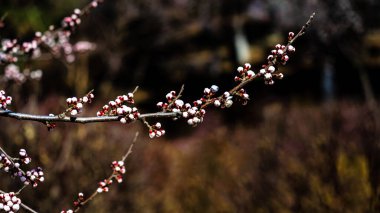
82,120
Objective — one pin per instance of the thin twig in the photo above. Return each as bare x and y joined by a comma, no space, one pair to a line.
135,90
127,154
130,147
19,191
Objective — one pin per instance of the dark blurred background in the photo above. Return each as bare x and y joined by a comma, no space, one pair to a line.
310,143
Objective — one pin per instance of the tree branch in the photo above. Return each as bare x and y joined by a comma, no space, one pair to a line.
82,120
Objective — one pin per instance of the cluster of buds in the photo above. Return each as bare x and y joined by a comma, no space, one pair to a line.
279,55
29,47
78,202
194,115
23,157
244,97
7,58
224,101
208,93
156,130
244,73
12,73
59,43
119,108
268,72
9,202
34,177
95,3
50,126
173,104
71,22
4,100
75,105
11,49
118,170
67,211
12,166
103,185
56,39
6,163
8,48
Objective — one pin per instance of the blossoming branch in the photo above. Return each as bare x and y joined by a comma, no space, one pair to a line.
122,108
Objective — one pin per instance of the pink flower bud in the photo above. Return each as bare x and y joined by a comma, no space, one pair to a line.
131,116
190,122
271,69
169,96
94,3
250,74
179,103
152,134
291,48
123,120
217,103
112,103
206,91
229,103
79,105
74,112
118,101
214,88
268,76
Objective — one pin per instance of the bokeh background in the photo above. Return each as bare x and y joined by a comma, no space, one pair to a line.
310,143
